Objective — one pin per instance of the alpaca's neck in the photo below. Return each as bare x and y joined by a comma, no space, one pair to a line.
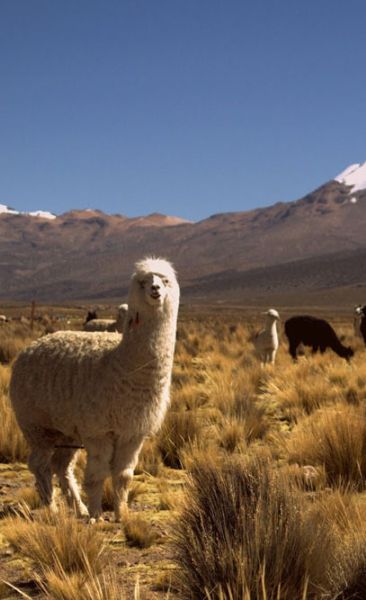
148,342
337,346
271,326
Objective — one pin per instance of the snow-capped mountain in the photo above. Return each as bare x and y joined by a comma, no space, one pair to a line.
354,176
43,214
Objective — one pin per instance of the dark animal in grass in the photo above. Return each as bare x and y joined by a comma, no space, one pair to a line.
316,333
363,323
90,316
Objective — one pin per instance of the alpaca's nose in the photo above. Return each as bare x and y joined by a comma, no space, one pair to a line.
155,287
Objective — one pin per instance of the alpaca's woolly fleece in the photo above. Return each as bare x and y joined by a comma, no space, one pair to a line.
101,325
104,391
266,341
108,324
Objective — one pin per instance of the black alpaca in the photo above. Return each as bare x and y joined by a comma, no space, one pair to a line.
363,323
90,316
316,333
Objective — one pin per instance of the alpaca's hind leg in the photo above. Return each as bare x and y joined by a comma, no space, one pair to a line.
124,461
63,463
100,452
39,463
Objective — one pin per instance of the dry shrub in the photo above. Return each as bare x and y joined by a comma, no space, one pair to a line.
345,518
245,534
28,497
180,430
58,584
300,389
251,415
14,337
168,499
139,532
232,436
56,541
69,557
13,446
336,440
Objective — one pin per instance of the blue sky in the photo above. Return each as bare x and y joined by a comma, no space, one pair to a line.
185,107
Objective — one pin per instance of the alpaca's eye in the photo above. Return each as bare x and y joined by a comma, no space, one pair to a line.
166,281
142,284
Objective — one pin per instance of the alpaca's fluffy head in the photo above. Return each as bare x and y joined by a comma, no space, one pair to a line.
154,284
273,314
122,309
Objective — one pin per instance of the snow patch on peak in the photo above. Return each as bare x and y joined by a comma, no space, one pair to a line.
354,176
9,211
43,214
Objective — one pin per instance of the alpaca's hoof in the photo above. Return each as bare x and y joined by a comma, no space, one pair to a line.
121,514
93,520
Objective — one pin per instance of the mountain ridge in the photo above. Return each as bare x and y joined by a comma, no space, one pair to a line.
81,254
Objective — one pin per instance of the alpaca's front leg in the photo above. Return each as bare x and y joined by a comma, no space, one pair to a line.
124,461
99,453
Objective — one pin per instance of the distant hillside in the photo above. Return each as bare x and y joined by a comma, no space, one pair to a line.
315,243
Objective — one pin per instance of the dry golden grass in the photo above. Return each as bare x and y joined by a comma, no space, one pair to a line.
138,531
244,531
56,541
275,505
336,440
13,447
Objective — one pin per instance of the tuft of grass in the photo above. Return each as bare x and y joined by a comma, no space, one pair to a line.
60,585
232,436
58,541
28,497
336,440
180,430
168,499
244,533
139,533
14,337
13,447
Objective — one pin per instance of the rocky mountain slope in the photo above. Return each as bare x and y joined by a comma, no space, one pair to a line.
88,254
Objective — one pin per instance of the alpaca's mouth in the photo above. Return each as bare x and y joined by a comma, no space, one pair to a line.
155,295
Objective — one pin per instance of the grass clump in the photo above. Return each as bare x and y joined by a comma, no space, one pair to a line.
139,533
336,440
56,541
13,447
245,533
180,430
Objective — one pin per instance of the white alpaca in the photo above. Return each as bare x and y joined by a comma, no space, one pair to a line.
108,324
3,319
357,318
100,391
266,341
